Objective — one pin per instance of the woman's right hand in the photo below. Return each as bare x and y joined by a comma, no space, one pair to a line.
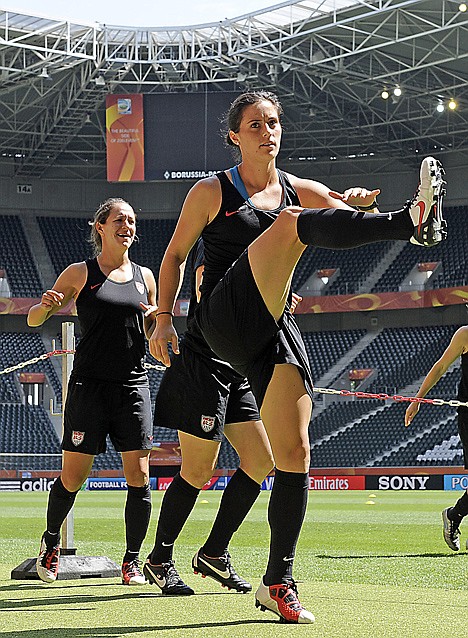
163,333
411,412
52,299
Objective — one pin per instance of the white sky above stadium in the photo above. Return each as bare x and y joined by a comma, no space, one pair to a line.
137,13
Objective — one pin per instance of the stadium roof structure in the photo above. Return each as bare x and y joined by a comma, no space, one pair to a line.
328,60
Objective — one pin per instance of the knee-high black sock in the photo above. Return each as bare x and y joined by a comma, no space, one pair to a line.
459,510
176,506
239,496
59,504
339,228
286,511
137,518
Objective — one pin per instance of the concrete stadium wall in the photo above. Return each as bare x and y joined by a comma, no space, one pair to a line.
396,179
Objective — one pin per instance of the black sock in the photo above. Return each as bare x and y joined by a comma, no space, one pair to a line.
137,518
340,228
286,511
178,502
459,510
59,504
239,496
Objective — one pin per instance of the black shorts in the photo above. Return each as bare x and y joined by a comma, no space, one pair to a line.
95,409
463,432
239,328
199,396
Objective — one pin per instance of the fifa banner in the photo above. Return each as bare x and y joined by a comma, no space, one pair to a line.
165,453
396,482
125,138
215,483
456,482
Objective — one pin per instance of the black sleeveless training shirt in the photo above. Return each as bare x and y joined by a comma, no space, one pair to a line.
235,227
112,344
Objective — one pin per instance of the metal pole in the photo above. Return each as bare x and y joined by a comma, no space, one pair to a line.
68,343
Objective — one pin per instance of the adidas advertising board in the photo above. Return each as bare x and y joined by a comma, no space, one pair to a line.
26,485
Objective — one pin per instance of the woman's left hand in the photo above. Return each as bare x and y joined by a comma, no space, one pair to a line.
356,196
295,301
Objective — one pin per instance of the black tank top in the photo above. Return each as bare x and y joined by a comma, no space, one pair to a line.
463,387
235,227
112,344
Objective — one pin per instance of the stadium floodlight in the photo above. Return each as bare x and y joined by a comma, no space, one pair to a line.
462,7
100,81
397,91
44,74
241,77
285,66
385,94
452,105
440,108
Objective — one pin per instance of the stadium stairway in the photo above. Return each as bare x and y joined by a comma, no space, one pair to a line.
390,256
39,251
346,360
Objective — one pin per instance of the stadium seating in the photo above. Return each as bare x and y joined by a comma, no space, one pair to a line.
355,266
452,256
324,349
16,259
344,432
67,238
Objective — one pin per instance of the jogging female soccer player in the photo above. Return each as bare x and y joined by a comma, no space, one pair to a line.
458,347
255,229
108,391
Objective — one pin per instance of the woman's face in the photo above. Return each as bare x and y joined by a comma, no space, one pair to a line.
120,226
259,134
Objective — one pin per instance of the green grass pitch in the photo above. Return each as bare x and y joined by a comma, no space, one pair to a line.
367,566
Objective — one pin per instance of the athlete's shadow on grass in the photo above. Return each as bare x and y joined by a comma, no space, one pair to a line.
79,601
370,556
111,632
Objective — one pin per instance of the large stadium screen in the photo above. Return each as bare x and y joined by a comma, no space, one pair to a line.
183,137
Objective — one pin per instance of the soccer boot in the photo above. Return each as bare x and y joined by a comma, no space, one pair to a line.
451,531
166,577
132,574
221,570
282,600
47,563
425,208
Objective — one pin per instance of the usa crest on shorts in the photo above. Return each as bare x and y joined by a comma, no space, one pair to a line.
207,423
77,438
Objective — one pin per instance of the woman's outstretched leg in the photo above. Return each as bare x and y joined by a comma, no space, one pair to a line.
274,255
421,222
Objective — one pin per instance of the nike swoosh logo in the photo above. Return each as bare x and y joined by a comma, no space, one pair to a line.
95,286
167,544
160,581
422,210
229,214
288,559
224,574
